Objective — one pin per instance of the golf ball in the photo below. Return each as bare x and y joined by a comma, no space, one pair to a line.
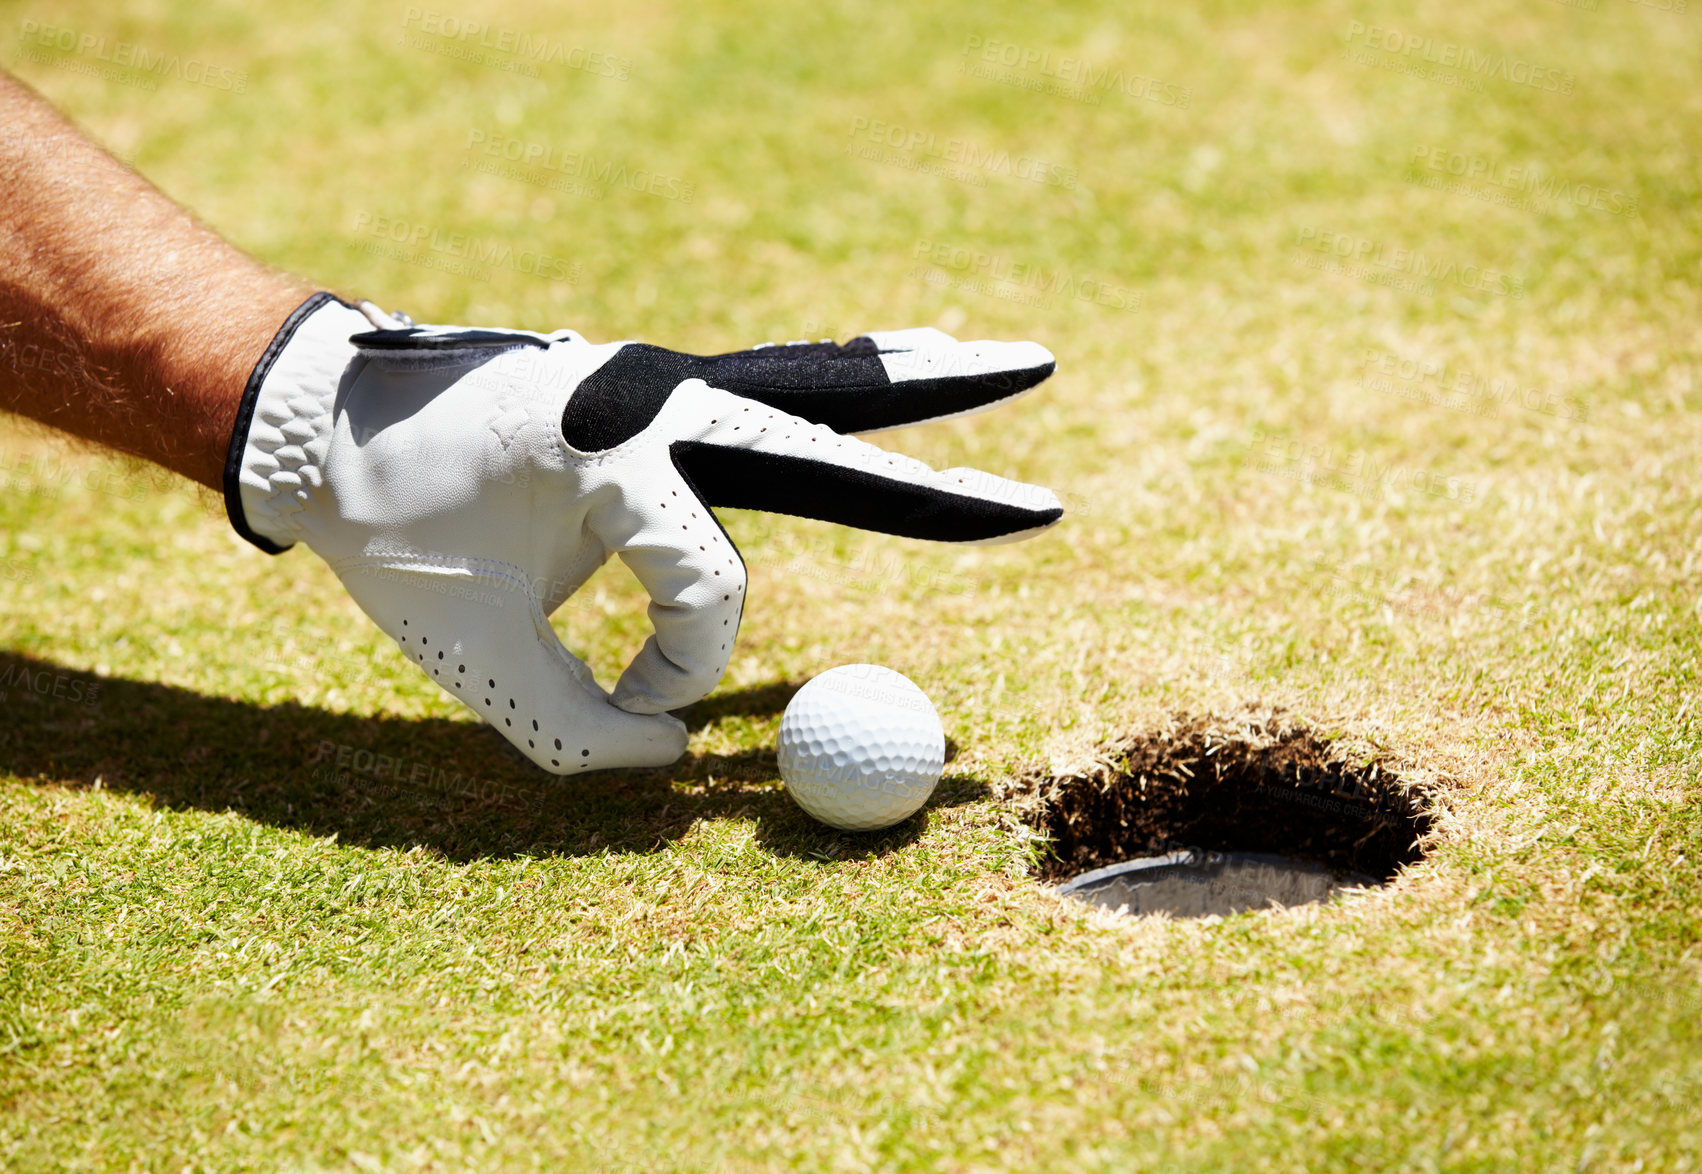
861,747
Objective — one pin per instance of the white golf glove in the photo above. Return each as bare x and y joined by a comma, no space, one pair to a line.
463,483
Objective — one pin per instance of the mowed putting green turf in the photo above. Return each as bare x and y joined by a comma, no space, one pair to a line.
1377,403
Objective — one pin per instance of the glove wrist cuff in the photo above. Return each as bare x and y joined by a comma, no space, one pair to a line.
283,423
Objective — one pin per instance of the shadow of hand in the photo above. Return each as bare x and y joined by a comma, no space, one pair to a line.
453,786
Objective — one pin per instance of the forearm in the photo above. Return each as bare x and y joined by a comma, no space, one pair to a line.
122,320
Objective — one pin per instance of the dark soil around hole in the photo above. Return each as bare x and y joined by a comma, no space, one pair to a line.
1256,783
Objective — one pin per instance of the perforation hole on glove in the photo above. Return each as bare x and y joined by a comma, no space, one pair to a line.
457,687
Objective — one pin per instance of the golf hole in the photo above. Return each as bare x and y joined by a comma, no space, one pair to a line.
1213,816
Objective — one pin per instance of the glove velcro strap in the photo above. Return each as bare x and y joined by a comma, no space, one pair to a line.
425,348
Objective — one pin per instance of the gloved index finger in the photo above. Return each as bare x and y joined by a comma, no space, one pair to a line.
672,542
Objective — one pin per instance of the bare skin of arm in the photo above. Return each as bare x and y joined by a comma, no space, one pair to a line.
122,319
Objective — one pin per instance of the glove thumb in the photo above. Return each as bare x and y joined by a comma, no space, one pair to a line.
477,628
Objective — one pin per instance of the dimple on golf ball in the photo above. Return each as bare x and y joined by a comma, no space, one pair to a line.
861,747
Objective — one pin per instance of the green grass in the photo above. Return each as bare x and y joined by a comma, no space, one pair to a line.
214,954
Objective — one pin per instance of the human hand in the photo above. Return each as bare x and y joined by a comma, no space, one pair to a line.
463,483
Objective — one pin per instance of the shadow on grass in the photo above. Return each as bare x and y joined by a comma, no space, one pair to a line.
455,787
762,701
